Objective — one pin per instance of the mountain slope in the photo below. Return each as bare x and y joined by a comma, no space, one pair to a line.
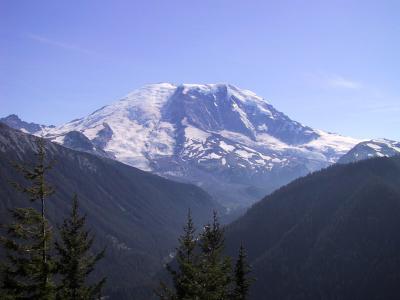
370,149
15,122
137,215
330,235
229,141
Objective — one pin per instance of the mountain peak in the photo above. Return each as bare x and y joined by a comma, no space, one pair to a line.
372,148
215,135
12,117
15,122
204,88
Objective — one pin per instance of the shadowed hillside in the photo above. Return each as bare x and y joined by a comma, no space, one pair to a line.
137,215
331,235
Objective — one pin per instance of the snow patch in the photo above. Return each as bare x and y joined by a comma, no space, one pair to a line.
226,147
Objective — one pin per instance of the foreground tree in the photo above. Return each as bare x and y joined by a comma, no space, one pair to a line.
242,281
186,279
203,272
39,189
25,276
76,262
28,270
215,268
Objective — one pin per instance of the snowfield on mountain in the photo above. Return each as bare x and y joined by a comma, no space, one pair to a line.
370,149
227,140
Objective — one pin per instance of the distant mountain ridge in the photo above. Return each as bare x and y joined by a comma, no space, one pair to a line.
229,141
371,149
15,122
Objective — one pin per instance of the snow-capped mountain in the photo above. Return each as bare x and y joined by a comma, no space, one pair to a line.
230,141
370,149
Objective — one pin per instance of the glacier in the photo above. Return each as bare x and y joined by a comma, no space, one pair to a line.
230,141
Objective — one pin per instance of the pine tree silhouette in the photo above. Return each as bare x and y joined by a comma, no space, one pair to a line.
29,267
75,261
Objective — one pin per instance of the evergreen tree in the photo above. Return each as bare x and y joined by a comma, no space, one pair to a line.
27,274
204,273
75,260
242,281
39,189
215,268
186,278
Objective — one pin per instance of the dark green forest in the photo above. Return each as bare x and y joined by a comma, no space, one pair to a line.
330,235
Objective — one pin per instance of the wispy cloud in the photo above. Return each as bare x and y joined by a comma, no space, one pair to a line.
337,81
383,108
63,45
332,81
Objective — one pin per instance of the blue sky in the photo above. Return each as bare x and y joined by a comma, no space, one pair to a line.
333,65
